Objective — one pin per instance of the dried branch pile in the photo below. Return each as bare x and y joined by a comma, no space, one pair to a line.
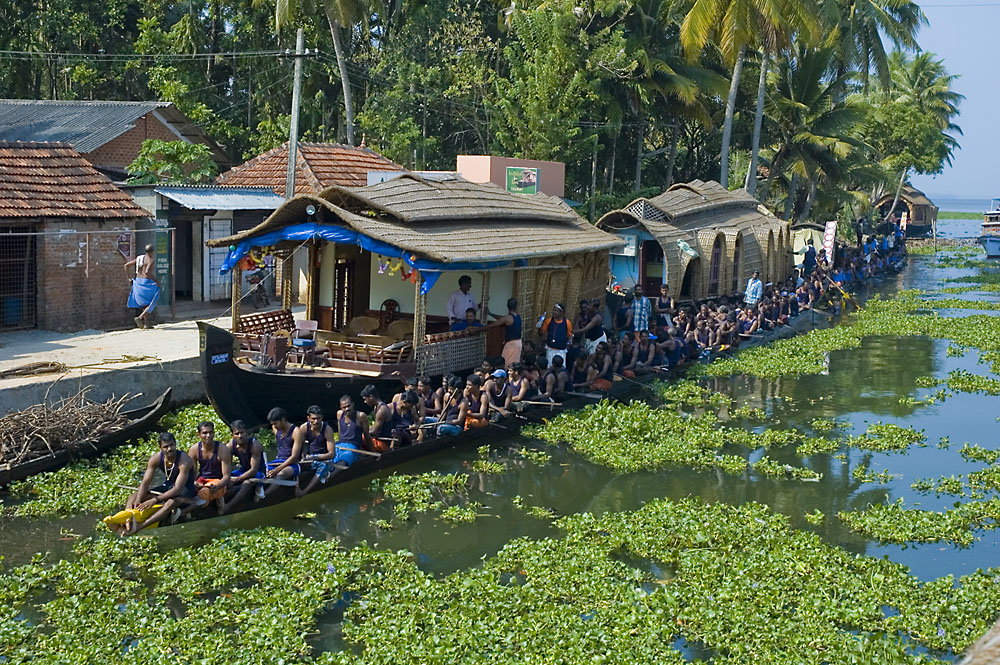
68,424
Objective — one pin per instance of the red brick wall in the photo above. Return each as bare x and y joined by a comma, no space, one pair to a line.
77,289
122,151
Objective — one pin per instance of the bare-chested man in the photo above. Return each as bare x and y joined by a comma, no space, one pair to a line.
145,293
178,472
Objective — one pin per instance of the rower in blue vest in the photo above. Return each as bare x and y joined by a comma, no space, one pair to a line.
339,454
249,454
285,466
557,331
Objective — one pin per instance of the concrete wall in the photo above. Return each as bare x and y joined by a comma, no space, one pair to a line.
82,283
489,168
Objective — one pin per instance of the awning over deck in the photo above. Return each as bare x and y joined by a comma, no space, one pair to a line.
432,226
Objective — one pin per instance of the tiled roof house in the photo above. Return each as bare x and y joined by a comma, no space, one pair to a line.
107,133
318,166
64,231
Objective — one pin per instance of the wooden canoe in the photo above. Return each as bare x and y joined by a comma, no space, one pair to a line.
141,420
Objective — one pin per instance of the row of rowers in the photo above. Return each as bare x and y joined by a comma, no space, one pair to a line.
228,473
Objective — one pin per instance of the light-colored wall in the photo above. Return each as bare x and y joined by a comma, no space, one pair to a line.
328,259
387,286
490,168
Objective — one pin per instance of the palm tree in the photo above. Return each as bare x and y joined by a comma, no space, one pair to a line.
856,34
817,129
739,24
926,84
339,14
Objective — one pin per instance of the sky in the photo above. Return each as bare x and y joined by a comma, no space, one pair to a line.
965,33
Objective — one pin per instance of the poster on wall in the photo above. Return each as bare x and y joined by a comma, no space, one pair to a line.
522,180
829,236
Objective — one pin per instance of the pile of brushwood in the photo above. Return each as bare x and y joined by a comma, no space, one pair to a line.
68,424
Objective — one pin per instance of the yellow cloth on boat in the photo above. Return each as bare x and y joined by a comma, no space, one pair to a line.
123,516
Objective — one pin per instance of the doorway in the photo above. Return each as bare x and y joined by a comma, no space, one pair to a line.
651,267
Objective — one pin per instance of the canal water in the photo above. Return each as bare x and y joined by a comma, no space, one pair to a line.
862,386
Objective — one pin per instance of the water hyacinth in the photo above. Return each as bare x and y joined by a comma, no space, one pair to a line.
892,523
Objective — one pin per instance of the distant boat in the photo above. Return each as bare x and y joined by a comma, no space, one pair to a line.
990,239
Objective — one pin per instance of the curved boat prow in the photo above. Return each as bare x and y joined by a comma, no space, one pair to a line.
221,375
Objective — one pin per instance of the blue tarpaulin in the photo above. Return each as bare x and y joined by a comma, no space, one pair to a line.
429,270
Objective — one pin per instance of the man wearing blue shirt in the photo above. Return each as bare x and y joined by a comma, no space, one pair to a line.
754,289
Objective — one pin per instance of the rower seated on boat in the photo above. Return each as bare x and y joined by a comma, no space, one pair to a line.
406,420
149,506
290,447
430,399
248,453
411,384
499,392
477,414
336,454
521,388
453,410
215,465
600,369
553,382
380,422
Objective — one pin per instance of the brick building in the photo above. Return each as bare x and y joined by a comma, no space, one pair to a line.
107,134
65,231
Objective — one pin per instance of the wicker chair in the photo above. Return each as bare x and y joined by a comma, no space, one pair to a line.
361,325
399,330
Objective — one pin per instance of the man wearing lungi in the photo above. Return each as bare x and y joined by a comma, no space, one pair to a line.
145,291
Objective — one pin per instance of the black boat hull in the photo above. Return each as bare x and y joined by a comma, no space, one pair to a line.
248,395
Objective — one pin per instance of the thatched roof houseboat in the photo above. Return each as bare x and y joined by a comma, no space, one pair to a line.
700,238
917,213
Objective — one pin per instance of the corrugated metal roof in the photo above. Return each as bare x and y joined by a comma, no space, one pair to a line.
85,125
223,198
54,180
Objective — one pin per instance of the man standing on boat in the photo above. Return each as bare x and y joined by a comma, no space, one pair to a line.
557,332
754,290
339,454
639,314
461,300
178,472
511,334
145,293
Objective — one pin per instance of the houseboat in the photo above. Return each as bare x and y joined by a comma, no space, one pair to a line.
382,263
990,239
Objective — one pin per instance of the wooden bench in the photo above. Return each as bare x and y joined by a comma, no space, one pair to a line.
252,326
368,353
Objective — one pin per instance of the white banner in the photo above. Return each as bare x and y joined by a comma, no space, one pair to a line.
829,235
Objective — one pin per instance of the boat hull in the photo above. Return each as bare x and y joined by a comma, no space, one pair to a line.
248,395
991,244
142,419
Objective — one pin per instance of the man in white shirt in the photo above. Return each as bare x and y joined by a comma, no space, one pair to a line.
461,300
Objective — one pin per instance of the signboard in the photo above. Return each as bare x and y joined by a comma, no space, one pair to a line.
125,245
522,180
163,258
829,235
631,247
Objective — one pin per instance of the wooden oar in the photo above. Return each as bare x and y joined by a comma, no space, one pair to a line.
359,451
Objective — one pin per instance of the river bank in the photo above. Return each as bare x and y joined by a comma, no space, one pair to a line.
556,544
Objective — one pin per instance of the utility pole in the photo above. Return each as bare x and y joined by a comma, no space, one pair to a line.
293,130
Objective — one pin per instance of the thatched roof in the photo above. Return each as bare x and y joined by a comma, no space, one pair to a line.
911,195
449,220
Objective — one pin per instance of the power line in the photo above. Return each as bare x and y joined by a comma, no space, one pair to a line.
128,57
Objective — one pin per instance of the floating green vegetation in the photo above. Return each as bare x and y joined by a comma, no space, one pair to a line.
690,394
948,214
954,485
637,436
747,412
887,437
418,493
892,523
461,514
808,354
539,512
982,278
818,444
863,475
976,453
955,351
772,469
816,517
926,381
485,465
539,457
967,382
955,303
825,425
92,486
741,582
